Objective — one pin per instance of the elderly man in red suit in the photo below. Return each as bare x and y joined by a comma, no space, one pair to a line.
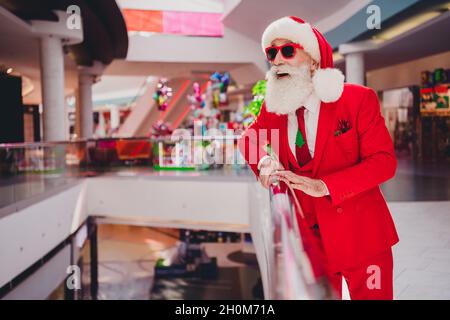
330,143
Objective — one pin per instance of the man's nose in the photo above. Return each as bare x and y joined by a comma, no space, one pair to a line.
278,59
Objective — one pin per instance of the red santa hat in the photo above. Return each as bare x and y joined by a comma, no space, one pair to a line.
328,82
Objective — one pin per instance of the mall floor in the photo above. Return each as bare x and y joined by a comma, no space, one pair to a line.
422,257
127,257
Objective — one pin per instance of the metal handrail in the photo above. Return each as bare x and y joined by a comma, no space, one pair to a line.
294,277
22,145
18,145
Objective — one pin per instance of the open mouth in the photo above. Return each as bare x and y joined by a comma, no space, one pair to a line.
282,75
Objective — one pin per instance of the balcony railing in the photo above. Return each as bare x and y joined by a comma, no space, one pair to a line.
297,272
30,169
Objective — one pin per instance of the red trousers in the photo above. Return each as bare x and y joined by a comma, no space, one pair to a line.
371,281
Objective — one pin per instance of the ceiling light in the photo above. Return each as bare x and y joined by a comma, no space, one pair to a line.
337,56
406,25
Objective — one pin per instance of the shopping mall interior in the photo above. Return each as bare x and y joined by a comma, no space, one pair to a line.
120,172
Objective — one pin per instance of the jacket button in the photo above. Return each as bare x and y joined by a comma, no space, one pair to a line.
339,210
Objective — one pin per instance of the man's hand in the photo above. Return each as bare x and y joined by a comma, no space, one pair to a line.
312,187
267,170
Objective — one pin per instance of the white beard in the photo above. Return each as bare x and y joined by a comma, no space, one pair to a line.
287,94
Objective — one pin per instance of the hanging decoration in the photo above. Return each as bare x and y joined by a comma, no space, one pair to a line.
161,129
219,84
196,100
162,95
202,106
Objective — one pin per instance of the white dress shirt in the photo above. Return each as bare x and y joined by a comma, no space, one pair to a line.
311,115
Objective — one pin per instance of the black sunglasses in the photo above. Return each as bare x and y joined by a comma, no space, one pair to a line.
287,50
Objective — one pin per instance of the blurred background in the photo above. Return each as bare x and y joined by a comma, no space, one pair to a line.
92,185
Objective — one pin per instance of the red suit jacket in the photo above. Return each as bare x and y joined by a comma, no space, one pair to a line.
355,222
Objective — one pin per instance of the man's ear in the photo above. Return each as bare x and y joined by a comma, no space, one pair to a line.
314,66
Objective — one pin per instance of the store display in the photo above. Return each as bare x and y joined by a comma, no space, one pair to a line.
162,95
172,155
208,121
426,79
434,123
435,93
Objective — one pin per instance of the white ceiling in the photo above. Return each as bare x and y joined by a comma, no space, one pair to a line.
251,17
168,69
20,51
210,6
111,87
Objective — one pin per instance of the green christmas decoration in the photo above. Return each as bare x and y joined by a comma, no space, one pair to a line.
258,92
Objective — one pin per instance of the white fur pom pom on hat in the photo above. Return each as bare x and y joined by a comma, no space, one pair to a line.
328,84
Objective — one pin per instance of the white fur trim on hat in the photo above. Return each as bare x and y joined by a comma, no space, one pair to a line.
328,84
287,28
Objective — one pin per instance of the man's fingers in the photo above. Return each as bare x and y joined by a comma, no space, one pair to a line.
289,175
283,171
285,174
273,178
302,187
283,180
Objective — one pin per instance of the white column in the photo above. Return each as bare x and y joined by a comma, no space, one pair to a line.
85,104
354,68
87,77
353,52
53,35
115,117
52,88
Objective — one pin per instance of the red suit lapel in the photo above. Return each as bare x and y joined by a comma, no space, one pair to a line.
289,156
327,118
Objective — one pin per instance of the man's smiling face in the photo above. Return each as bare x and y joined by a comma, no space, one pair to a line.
289,80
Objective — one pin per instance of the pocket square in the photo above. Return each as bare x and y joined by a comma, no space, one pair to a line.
343,127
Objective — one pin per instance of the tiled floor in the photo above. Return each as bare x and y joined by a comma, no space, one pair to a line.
422,257
419,182
127,256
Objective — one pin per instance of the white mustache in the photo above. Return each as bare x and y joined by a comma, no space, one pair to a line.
274,70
